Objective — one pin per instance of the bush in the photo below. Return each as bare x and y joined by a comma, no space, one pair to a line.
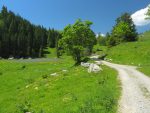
44,76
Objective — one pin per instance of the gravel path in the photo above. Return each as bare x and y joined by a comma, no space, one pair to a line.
135,89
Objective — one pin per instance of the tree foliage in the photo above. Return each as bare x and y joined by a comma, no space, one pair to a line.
78,39
148,13
123,31
53,36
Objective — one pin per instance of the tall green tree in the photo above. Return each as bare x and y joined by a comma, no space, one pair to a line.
124,30
78,39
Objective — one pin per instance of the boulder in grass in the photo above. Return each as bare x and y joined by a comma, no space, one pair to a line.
94,68
54,74
64,70
94,57
85,64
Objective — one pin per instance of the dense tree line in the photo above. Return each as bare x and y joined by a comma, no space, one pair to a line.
20,38
53,37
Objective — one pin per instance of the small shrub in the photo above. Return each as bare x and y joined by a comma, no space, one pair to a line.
22,67
29,80
23,108
44,76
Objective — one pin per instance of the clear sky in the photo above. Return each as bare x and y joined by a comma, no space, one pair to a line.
59,13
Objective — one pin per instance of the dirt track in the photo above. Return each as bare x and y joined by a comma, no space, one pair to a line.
135,89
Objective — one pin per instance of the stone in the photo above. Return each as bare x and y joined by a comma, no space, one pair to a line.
85,64
94,57
64,70
94,68
54,74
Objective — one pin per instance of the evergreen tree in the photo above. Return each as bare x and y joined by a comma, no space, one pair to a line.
20,38
123,31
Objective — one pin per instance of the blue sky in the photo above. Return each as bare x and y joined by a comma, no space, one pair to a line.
59,13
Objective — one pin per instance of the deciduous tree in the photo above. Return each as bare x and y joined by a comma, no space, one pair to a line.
78,39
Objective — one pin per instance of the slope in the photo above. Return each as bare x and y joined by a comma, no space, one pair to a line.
133,53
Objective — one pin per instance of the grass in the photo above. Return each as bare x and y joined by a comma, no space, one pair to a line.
28,86
51,53
132,53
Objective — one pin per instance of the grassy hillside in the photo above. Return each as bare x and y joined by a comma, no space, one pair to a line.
28,86
133,53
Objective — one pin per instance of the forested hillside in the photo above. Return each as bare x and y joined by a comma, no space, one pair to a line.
19,38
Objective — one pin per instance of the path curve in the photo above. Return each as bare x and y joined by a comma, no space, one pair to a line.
135,89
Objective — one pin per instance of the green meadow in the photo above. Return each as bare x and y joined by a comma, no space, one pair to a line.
28,86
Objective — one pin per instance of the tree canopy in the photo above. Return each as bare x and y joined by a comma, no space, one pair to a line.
78,39
123,31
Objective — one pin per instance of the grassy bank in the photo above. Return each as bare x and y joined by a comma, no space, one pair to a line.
28,86
132,53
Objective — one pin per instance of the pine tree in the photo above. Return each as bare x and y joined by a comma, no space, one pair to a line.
123,31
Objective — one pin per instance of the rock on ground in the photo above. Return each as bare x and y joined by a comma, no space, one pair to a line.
94,68
54,74
85,64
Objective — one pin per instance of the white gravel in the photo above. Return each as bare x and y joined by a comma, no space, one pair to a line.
135,89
